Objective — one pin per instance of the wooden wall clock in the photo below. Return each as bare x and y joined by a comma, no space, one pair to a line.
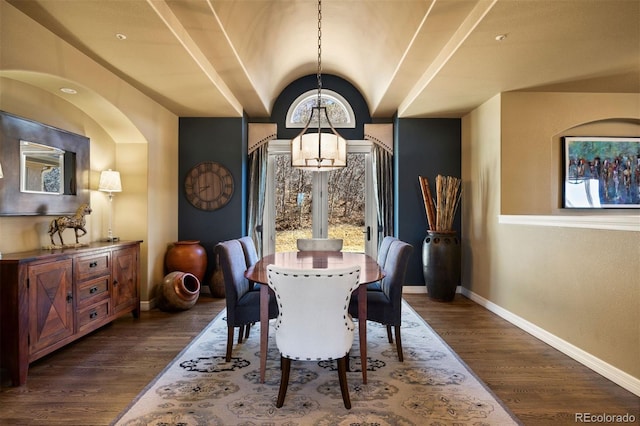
208,186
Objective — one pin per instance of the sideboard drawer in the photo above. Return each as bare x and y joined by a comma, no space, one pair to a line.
87,267
93,290
93,314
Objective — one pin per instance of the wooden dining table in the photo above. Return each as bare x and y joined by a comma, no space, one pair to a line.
370,272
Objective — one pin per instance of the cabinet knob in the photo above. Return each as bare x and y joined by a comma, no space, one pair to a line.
93,314
69,297
93,290
115,282
93,264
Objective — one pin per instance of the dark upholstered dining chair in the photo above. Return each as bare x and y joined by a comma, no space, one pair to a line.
243,305
385,307
313,322
250,251
250,257
383,250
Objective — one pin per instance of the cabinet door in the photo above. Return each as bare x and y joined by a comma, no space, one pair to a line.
50,303
125,280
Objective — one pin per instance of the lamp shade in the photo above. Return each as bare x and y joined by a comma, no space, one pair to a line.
110,181
319,151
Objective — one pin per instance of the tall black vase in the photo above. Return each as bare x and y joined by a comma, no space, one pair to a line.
441,264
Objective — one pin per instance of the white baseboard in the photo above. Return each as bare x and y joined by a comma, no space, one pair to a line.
625,380
414,289
420,289
147,305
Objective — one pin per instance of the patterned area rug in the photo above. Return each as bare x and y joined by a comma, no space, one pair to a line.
431,387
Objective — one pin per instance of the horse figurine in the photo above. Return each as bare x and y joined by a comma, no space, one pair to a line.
77,222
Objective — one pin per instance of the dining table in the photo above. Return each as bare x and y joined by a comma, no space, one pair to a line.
370,272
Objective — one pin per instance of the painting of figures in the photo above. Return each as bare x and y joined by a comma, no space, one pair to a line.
601,172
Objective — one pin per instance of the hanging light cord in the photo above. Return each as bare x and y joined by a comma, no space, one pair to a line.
319,55
301,152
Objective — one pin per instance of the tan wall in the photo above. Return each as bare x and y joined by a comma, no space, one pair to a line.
581,285
532,124
129,132
481,195
22,233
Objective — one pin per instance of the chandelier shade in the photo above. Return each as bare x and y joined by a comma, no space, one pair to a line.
319,151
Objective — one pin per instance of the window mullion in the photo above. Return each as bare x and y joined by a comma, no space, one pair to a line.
320,207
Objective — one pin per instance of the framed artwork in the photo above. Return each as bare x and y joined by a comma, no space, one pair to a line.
601,172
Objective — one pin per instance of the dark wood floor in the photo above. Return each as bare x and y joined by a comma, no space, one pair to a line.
90,381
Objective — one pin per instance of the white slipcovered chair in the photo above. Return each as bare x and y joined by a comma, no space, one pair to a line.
313,321
319,244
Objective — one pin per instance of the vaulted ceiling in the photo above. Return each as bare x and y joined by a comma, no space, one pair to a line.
416,58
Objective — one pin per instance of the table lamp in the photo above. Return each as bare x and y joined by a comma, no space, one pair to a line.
110,182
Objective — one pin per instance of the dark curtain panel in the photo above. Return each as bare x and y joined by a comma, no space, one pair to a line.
257,187
383,186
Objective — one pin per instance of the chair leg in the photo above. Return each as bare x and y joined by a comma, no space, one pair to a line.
241,334
284,380
389,334
399,344
246,334
229,342
342,376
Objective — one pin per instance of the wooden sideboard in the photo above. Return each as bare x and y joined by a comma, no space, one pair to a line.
49,298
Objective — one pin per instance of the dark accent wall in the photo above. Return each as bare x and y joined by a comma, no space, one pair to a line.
423,147
222,140
330,82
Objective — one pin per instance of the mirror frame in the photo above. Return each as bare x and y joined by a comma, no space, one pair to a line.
13,202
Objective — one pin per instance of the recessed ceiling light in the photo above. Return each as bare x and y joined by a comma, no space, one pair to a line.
68,90
121,36
501,37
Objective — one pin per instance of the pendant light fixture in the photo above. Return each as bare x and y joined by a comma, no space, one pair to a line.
319,151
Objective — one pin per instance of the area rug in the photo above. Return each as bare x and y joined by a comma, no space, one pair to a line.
431,387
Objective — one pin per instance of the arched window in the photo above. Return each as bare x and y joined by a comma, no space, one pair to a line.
338,109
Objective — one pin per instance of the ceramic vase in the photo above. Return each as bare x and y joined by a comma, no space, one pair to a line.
187,256
217,283
441,264
179,291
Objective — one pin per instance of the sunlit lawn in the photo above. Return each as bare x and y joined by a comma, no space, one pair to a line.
352,236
